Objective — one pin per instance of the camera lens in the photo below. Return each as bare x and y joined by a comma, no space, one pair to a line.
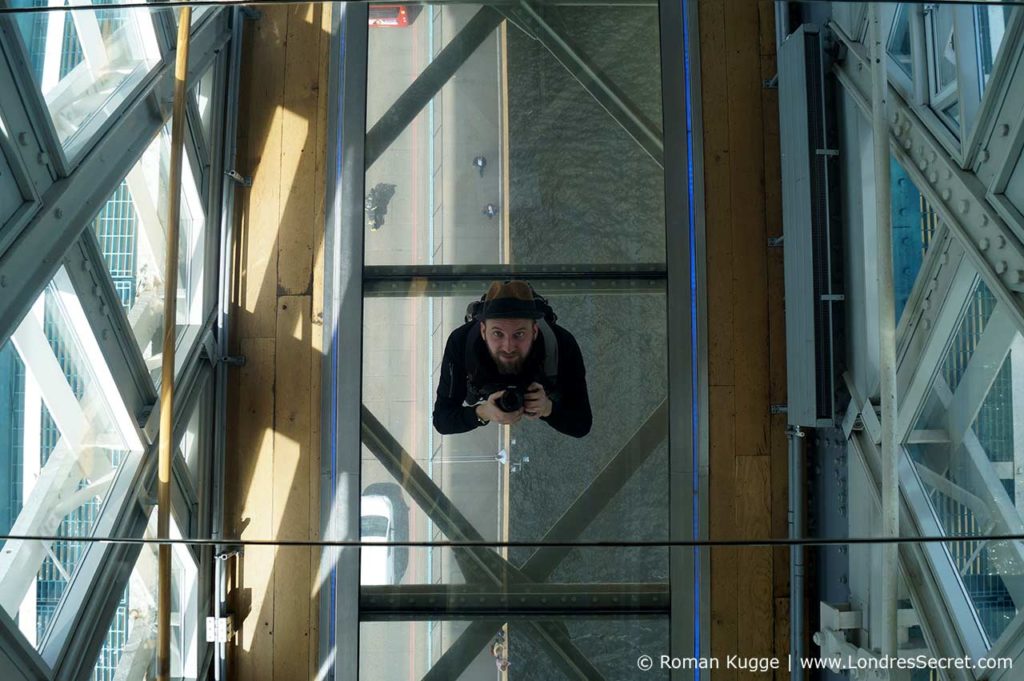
511,400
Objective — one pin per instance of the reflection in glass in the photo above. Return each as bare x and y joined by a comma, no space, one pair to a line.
86,62
129,649
190,441
513,160
990,23
515,482
913,226
64,437
965,445
131,229
525,647
943,46
899,41
204,94
972,325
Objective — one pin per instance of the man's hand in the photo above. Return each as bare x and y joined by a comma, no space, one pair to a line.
490,411
536,404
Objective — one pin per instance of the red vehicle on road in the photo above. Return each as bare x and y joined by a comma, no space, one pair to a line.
396,16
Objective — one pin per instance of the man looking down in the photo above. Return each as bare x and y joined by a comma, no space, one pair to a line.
509,361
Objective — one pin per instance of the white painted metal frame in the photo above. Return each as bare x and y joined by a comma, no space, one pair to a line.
60,197
983,241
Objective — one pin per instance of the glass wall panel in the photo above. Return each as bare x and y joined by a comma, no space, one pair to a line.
501,155
129,649
514,482
899,41
132,232
64,437
968,449
86,62
191,442
990,24
913,225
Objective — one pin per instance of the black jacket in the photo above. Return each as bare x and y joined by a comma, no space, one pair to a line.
570,411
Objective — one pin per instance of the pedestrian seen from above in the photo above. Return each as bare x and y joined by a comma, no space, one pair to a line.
510,361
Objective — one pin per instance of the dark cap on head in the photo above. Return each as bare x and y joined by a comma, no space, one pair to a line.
510,300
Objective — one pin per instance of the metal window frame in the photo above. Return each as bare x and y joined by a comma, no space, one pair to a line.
96,586
343,328
70,204
924,344
345,279
16,651
92,129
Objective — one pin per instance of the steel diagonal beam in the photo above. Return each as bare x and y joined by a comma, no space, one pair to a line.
68,205
605,93
454,525
409,104
533,601
434,502
542,563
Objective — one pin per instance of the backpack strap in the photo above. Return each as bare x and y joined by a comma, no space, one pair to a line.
550,351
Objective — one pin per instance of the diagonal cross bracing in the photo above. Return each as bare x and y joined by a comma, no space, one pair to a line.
542,563
454,525
409,104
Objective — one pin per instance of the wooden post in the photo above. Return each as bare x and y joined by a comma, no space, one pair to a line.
163,654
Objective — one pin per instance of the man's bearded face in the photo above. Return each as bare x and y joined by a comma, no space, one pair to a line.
509,342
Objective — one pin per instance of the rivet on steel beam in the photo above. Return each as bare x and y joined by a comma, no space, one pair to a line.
932,156
1016,277
946,194
926,323
949,174
964,205
1004,129
984,220
944,258
58,213
984,155
933,177
896,116
925,304
3,281
104,334
922,164
907,143
983,244
1001,267
1000,241
23,139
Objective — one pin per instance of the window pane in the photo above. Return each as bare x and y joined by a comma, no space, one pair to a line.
190,446
204,95
129,650
64,435
967,448
86,62
944,46
513,160
990,25
516,481
899,41
913,225
132,232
